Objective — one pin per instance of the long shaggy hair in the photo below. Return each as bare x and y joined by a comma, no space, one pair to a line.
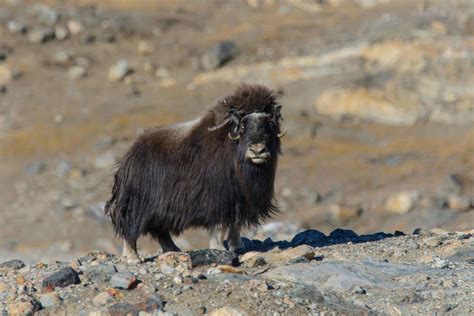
192,175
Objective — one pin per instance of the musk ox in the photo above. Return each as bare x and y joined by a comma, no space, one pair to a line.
215,172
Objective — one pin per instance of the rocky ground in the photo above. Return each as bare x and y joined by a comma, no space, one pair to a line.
427,272
378,104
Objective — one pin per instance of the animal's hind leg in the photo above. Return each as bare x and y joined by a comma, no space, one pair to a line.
166,242
130,252
217,238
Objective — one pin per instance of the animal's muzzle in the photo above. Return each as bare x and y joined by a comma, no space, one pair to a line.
258,154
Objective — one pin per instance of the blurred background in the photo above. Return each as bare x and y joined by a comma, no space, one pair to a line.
378,103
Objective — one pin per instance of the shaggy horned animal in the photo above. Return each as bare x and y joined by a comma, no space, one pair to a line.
215,172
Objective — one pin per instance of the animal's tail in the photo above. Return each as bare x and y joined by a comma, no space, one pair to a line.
123,207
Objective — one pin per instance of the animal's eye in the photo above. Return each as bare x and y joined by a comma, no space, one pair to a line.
242,127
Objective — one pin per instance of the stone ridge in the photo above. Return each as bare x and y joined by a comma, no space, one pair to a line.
422,273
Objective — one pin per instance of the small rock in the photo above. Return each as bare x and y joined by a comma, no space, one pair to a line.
458,203
201,310
6,74
61,33
432,242
227,311
60,59
119,70
345,213
50,299
178,279
45,14
403,202
14,264
102,298
24,305
76,72
62,278
203,257
123,280
218,55
74,27
100,273
440,263
145,48
35,168
41,35
177,260
17,27
255,261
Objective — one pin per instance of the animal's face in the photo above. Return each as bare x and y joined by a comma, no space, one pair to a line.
258,135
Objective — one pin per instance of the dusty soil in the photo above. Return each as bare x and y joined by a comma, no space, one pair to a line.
60,136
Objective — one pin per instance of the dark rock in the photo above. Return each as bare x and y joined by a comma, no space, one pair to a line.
14,264
342,233
218,55
123,280
203,257
100,273
310,237
62,278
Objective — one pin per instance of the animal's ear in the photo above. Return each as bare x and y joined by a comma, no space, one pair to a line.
276,115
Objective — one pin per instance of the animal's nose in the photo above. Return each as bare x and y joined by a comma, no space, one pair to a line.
258,149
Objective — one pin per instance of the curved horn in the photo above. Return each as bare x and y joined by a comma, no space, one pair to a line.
280,135
232,137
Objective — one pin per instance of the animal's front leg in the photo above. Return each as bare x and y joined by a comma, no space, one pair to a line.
234,241
130,253
217,238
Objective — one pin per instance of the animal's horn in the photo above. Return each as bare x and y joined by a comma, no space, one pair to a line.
232,137
280,135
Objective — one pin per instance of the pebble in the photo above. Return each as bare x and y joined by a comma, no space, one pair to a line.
6,74
403,202
14,264
345,213
203,257
76,72
61,33
145,48
35,168
50,299
176,260
75,27
16,27
218,55
119,70
41,35
62,278
45,14
102,298
123,280
458,203
100,273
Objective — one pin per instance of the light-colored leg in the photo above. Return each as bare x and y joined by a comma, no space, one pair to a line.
130,253
234,241
217,238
